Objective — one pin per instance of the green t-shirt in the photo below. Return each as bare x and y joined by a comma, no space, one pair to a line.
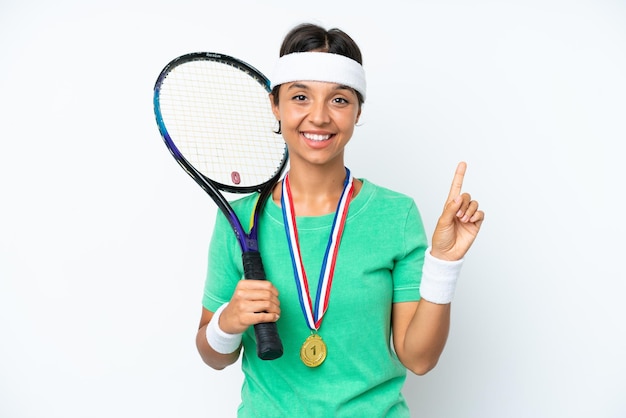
379,263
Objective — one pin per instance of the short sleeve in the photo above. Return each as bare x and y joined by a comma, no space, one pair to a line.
224,267
407,271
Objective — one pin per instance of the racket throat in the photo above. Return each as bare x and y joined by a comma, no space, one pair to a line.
252,246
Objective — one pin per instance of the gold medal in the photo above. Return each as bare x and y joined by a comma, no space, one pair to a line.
313,351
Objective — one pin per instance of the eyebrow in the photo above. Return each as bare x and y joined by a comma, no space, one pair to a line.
299,85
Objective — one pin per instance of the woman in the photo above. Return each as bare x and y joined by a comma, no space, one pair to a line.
357,295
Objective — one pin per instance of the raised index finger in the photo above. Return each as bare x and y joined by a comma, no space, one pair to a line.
457,181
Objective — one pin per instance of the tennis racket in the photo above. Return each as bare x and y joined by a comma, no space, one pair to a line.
215,117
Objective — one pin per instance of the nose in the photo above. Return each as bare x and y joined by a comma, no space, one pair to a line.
319,114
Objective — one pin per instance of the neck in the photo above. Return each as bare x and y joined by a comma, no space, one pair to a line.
313,192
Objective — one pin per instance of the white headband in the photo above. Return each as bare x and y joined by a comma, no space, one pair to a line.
319,66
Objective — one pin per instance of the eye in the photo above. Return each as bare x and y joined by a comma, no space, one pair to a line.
340,100
299,97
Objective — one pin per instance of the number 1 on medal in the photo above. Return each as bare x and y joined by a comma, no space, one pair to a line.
313,351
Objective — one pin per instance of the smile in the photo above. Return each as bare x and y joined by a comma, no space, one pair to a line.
315,137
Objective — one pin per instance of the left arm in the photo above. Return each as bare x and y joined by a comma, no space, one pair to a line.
420,329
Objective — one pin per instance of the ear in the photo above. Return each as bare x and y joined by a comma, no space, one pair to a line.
358,115
275,110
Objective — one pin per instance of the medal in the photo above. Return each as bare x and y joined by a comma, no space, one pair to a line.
313,351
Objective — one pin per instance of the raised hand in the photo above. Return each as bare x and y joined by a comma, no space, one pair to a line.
459,223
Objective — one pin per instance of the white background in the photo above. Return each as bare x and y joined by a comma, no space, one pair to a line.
103,238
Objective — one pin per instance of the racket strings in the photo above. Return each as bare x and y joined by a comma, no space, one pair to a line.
221,121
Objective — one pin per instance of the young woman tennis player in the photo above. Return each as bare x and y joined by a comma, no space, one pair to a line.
357,293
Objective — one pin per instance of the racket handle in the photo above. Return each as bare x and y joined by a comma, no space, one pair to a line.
268,344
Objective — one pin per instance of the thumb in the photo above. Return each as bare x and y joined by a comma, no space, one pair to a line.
451,209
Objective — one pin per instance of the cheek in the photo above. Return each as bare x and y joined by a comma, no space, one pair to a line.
349,121
349,130
290,116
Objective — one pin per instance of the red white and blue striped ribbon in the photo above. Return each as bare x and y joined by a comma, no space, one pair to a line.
314,315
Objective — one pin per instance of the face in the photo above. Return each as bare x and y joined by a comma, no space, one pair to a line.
317,120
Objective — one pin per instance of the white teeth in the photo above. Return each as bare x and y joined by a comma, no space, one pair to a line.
314,137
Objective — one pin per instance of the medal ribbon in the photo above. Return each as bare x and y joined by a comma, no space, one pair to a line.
313,315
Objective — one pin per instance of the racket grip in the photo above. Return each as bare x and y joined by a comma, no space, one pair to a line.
268,344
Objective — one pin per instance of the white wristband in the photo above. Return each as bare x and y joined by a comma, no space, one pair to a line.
439,279
219,340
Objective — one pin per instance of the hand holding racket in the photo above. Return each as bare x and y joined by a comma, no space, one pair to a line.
215,117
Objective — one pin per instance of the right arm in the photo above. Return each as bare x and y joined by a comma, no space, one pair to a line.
209,356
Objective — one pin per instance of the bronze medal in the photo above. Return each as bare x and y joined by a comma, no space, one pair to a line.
313,351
